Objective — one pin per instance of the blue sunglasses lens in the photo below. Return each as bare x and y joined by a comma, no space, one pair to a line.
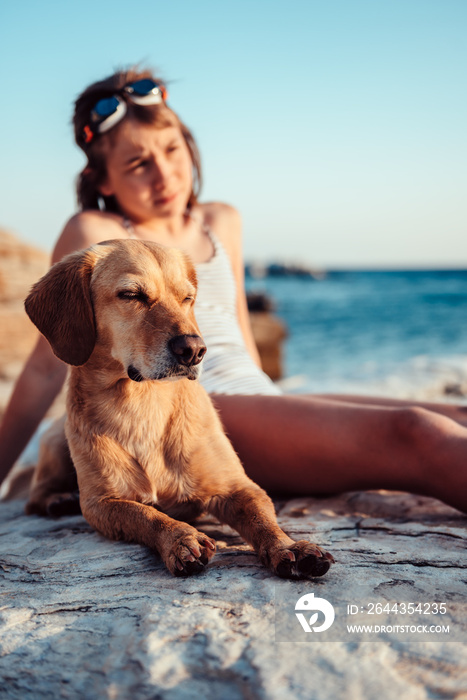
104,108
142,92
142,87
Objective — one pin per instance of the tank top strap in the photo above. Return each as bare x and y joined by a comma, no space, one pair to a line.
213,238
128,226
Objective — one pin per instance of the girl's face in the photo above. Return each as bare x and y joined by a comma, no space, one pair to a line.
149,171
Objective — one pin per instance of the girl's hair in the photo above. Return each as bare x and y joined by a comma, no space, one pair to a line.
159,116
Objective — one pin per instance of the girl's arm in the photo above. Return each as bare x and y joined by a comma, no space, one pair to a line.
227,223
36,388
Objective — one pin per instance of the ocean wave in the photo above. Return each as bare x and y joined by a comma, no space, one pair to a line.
422,378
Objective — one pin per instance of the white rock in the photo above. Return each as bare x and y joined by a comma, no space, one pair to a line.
84,617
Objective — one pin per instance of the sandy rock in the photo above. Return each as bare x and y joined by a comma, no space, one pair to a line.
82,616
20,266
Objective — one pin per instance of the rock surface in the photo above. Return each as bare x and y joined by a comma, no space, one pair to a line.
84,617
269,334
20,266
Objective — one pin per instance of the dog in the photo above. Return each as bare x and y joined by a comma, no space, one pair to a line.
146,443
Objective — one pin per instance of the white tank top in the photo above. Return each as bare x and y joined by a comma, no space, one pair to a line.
228,367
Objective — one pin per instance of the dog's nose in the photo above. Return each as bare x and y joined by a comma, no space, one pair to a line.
188,349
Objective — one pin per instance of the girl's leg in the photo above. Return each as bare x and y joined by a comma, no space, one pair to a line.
307,445
454,411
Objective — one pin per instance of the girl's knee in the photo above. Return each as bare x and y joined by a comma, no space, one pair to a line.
421,429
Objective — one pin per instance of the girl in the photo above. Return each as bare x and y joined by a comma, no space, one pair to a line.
142,180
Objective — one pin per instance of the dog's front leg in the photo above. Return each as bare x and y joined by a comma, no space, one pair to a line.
250,511
184,550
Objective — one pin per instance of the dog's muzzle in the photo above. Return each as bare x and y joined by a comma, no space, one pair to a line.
188,350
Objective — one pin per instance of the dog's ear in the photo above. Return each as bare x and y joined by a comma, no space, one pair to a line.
60,305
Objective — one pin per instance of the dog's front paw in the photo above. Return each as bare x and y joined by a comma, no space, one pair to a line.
298,560
190,553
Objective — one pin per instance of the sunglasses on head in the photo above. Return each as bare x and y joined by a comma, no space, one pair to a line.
109,111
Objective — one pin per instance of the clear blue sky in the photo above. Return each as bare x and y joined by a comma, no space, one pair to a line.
337,128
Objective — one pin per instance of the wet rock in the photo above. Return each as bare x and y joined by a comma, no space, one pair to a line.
269,333
455,389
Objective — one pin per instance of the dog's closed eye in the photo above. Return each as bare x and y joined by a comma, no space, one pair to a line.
133,295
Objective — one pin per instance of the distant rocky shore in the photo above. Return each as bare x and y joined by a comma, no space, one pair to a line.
275,269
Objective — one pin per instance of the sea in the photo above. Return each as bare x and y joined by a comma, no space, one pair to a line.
399,333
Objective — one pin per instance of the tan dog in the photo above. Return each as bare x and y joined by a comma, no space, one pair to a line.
147,449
